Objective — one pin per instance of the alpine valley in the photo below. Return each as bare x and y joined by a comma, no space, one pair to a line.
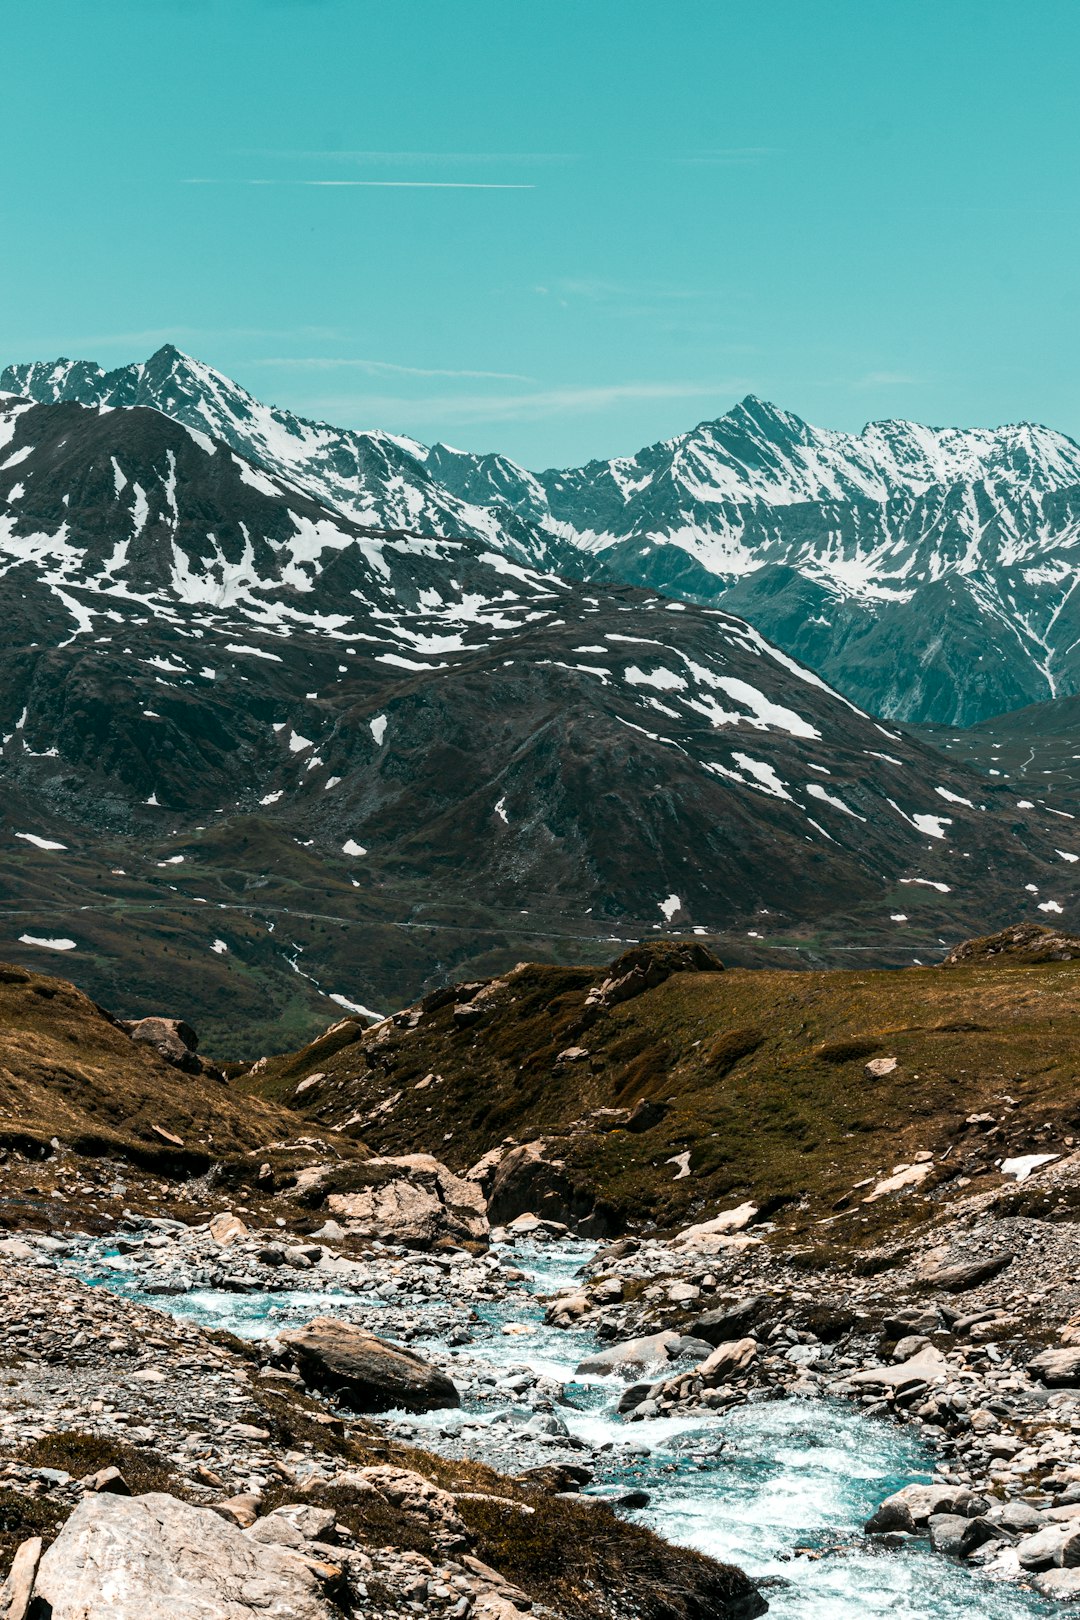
296,717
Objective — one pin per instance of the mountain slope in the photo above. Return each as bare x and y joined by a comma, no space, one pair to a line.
251,736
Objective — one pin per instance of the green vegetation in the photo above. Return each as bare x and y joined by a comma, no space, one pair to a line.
762,1075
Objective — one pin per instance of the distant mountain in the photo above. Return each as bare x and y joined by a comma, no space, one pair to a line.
257,750
928,573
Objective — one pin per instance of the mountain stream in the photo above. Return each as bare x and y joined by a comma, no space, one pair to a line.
780,1488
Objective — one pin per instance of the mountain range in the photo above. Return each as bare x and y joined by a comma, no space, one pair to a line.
929,574
289,724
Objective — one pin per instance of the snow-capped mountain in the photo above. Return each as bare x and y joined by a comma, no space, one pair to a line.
218,692
372,478
930,574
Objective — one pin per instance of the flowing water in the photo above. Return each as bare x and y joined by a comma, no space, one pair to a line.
779,1487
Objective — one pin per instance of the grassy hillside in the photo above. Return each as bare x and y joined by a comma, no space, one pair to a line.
760,1076
68,1071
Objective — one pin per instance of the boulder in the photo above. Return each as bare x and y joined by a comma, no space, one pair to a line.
878,1068
156,1558
947,1532
1057,1545
928,1365
1058,1368
416,1496
226,1228
632,1355
369,1374
17,1589
526,1178
645,966
1061,1585
171,1038
414,1200
729,1220
727,1361
967,1273
911,1509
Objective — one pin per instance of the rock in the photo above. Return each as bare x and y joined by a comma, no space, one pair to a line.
726,1361
524,1179
878,1068
1020,942
643,967
171,1038
688,1345
106,1479
1017,1516
909,1346
646,1114
968,1273
977,1533
15,1249
413,1199
239,1510
227,1228
566,1308
1056,1544
411,1493
653,1350
371,1374
911,1508
904,1176
1058,1368
947,1532
729,1220
546,1423
156,1558
632,1397
16,1590
730,1321
1063,1585
923,1368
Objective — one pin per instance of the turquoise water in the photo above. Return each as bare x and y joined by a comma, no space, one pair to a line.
781,1488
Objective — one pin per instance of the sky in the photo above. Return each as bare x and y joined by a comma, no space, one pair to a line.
562,229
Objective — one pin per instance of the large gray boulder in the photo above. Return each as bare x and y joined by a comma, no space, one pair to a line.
156,1558
632,1355
370,1374
413,1199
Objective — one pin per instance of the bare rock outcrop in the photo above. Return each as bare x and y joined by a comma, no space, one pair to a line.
1020,942
157,1558
643,967
414,1199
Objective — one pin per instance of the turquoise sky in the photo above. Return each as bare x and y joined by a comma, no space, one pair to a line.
561,228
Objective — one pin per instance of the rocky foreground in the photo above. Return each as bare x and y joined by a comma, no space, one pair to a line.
330,1467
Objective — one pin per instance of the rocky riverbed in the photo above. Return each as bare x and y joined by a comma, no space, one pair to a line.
847,1440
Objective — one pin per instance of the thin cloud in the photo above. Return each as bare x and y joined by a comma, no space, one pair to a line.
385,367
406,185
332,155
521,406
